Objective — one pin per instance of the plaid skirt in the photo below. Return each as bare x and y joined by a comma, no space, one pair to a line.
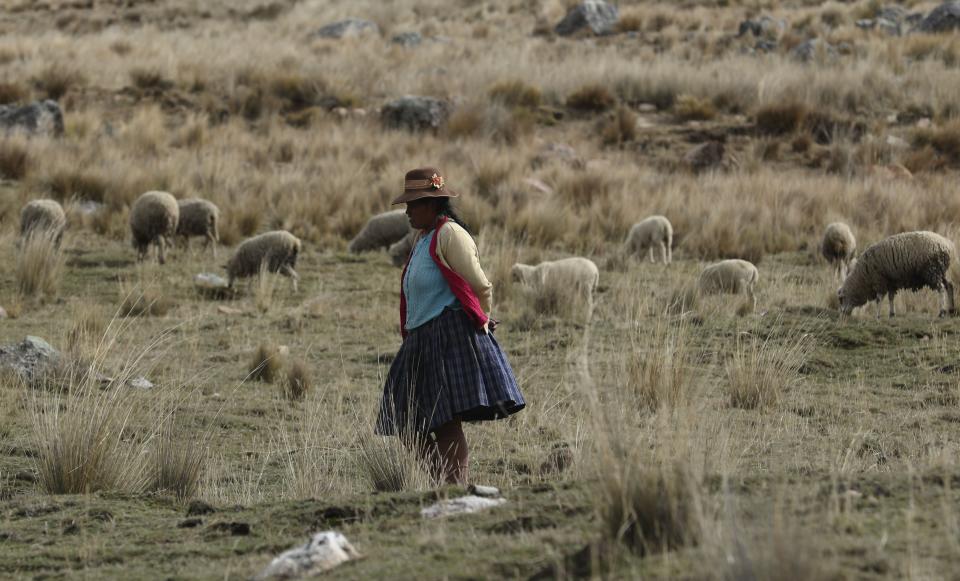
446,369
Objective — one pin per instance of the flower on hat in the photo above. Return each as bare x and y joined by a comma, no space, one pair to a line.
436,181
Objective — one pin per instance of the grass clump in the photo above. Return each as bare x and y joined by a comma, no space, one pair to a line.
12,93
691,108
266,363
39,265
760,369
298,381
176,466
516,93
149,79
943,140
661,376
780,118
14,159
55,80
593,98
620,127
390,465
148,302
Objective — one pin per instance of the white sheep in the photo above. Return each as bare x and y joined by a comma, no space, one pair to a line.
43,216
578,274
381,231
731,276
649,233
276,251
911,260
400,250
199,217
838,247
153,220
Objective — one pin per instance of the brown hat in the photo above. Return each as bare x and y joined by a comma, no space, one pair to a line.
424,182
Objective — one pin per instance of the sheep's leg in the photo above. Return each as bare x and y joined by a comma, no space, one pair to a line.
879,306
752,296
890,296
663,252
669,253
288,270
211,241
162,250
945,291
650,254
948,290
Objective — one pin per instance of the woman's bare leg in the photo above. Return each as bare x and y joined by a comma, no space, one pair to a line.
452,452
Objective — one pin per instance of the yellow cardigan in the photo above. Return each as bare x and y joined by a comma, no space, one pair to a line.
458,251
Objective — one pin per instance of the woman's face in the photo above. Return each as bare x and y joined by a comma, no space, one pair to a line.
422,213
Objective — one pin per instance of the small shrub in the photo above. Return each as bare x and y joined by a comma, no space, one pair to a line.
55,80
266,363
149,79
298,381
761,368
780,119
591,99
176,466
620,127
690,108
14,159
516,93
39,265
12,93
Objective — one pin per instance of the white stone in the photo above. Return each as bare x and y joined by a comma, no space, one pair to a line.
140,382
462,505
322,552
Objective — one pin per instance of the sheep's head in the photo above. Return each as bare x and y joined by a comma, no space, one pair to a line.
520,273
852,292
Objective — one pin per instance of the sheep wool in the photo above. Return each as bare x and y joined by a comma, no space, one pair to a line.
199,217
650,233
277,251
153,220
911,260
400,250
381,231
731,276
43,216
577,273
838,247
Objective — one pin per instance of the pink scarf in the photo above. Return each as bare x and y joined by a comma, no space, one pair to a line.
458,286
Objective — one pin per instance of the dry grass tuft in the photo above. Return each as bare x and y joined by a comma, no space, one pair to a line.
592,98
14,159
760,369
683,300
176,465
944,140
516,93
146,302
781,118
149,79
56,80
266,363
661,376
298,382
691,108
389,465
40,265
620,127
85,333
12,92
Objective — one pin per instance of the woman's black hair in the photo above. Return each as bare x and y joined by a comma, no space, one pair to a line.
445,208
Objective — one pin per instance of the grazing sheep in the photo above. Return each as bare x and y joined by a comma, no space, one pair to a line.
651,232
838,247
153,219
43,215
912,260
732,277
579,274
400,250
277,251
199,218
381,231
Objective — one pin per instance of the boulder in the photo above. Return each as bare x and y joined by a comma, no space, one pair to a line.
705,156
346,28
461,505
807,51
943,18
415,113
39,118
763,26
596,15
322,552
29,358
407,39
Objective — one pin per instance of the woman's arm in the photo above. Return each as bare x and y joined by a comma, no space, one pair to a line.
458,250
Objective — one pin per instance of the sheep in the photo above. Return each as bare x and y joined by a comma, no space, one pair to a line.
911,260
153,220
732,277
838,248
43,216
199,217
277,251
578,274
381,231
651,232
400,250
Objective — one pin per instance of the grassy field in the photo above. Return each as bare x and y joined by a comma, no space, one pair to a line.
700,439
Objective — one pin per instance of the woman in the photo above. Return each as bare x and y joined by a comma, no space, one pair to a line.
450,368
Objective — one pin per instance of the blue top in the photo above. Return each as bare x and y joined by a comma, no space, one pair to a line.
424,287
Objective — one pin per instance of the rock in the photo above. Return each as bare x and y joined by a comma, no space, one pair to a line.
807,51
211,285
140,382
887,26
484,491
943,18
601,18
407,39
3,313
29,358
762,26
462,505
225,310
234,529
190,523
897,142
646,108
765,46
705,156
346,28
415,113
38,118
199,507
323,552
924,123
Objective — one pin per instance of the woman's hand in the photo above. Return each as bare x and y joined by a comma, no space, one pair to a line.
492,324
